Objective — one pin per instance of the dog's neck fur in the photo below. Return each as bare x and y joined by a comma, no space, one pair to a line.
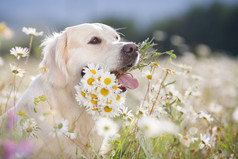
63,99
64,105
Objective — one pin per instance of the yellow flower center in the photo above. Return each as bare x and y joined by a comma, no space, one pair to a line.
43,67
93,96
29,130
149,77
93,102
107,109
94,109
83,94
90,81
60,126
93,71
185,137
104,91
106,128
20,54
109,102
118,97
15,71
99,78
3,27
155,64
107,81
114,87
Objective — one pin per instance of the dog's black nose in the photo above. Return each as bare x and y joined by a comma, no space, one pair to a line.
130,49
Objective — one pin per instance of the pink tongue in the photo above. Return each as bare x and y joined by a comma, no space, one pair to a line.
128,81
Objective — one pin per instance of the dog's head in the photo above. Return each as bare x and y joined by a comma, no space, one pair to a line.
66,53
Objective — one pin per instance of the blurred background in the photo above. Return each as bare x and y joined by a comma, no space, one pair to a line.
207,26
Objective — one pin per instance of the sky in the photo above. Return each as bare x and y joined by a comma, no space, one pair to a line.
48,14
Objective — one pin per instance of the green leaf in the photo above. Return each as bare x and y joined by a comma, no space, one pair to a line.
42,98
223,145
168,84
21,113
171,54
36,101
170,59
35,110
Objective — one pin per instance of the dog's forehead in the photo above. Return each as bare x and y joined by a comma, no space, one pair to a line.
87,28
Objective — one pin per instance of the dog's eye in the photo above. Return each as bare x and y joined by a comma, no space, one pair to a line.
95,40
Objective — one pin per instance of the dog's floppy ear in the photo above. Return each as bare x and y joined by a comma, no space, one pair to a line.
55,57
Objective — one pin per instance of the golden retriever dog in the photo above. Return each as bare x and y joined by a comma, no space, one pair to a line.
64,56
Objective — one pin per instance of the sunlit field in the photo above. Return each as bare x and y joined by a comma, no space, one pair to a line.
185,107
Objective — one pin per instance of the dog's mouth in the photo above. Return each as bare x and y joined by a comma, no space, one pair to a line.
125,79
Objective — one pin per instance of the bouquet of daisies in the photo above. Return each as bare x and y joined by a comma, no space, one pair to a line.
99,92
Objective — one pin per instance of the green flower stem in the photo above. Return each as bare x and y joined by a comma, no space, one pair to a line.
28,55
161,84
27,58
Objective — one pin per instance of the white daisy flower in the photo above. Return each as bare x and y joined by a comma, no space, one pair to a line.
120,99
149,125
104,93
19,52
71,135
207,141
17,71
94,111
193,130
89,82
141,110
152,127
81,96
184,140
30,127
116,89
31,31
106,127
61,128
147,74
92,104
5,32
91,69
126,114
109,111
107,80
204,115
